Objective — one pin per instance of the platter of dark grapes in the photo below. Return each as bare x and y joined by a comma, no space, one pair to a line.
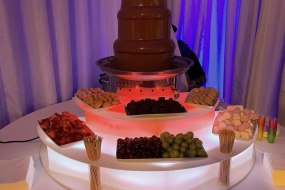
166,146
153,107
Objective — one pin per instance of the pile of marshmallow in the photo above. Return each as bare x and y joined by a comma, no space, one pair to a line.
236,118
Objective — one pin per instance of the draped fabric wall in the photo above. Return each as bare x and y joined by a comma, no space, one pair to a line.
267,60
241,46
48,49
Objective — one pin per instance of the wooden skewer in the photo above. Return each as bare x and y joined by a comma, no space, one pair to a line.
224,171
95,178
93,150
226,138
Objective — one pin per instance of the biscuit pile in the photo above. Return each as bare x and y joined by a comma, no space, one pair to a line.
97,98
203,96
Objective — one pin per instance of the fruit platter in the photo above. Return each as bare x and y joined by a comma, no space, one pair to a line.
151,106
166,146
64,129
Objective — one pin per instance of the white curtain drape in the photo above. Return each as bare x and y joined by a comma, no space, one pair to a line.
48,49
259,58
281,110
268,60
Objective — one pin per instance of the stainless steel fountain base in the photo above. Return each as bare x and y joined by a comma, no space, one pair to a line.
180,65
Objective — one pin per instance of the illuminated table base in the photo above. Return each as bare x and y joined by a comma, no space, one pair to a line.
75,175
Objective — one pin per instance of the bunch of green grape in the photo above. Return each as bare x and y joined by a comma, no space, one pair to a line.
181,145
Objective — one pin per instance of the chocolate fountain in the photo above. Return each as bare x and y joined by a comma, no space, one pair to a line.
144,64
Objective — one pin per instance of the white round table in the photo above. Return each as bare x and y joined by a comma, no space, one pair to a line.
26,128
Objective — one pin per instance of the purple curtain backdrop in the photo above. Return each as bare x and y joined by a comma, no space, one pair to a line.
48,48
210,29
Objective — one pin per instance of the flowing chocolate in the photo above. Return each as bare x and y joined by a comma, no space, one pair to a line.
144,42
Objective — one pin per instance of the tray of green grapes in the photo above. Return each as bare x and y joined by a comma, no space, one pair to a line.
165,146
